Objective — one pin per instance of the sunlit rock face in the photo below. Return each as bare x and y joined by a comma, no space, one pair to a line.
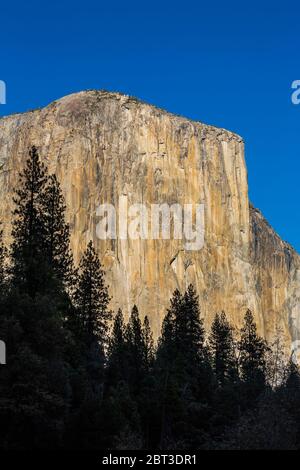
108,148
276,270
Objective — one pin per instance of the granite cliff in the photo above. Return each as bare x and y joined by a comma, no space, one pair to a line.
106,146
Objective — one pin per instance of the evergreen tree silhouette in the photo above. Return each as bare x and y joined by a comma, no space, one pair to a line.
28,260
91,298
35,389
3,263
276,360
166,343
222,350
184,374
56,239
189,331
224,361
289,395
91,301
148,341
252,359
117,352
135,349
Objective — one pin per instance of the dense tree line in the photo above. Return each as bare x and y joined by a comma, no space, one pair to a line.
79,377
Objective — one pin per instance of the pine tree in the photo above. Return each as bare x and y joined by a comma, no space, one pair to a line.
117,338
56,239
289,395
183,373
27,258
3,266
91,298
35,389
166,343
117,352
189,331
276,360
134,334
183,334
252,357
136,349
221,347
292,377
148,344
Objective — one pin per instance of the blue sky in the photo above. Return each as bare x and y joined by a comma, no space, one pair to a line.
224,63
